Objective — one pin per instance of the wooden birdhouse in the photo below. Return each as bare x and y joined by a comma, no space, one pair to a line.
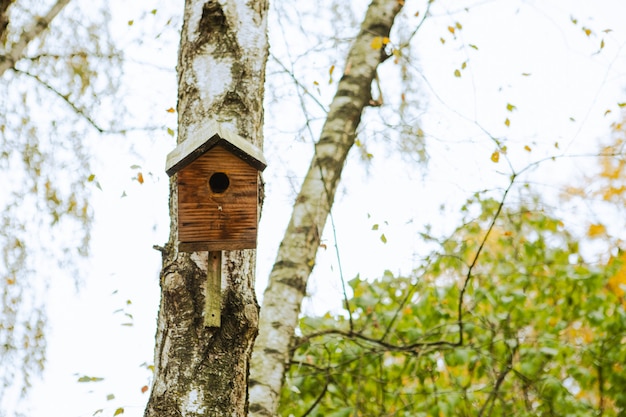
218,190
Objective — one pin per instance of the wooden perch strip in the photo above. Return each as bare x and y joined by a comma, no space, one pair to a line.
296,254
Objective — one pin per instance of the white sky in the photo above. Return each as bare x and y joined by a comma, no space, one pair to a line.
513,37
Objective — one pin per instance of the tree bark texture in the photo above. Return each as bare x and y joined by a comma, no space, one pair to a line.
203,371
298,249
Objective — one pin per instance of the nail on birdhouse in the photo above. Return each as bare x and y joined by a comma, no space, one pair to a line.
217,175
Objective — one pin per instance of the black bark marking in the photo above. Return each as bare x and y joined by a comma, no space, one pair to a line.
213,17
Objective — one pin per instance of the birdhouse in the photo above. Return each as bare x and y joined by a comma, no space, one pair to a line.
218,190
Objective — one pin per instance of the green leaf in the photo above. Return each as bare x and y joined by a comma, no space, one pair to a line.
383,238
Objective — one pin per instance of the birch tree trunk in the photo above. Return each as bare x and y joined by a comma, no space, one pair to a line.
298,249
201,371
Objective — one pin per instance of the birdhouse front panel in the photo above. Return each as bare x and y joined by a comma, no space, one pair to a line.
217,203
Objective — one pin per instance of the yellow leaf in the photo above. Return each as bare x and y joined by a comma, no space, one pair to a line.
170,132
458,26
383,238
510,107
331,69
451,29
527,148
495,157
316,83
507,122
587,31
602,44
119,411
607,112
617,283
457,73
596,230
130,22
171,110
140,178
464,65
442,40
378,42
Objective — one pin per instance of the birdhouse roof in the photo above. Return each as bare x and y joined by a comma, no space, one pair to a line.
207,137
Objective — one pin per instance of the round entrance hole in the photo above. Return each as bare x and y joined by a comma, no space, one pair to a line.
219,182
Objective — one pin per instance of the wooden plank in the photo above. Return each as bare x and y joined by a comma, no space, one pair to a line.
205,216
213,292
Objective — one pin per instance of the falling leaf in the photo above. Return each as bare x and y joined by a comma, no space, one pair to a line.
526,74
451,29
135,166
383,238
144,389
330,74
574,20
587,31
464,65
153,11
171,110
596,230
495,156
457,73
607,112
119,411
621,104
110,397
170,132
458,26
95,413
442,40
130,22
375,227
10,281
417,13
510,107
140,178
91,178
602,44
86,378
316,83
507,122
473,46
527,148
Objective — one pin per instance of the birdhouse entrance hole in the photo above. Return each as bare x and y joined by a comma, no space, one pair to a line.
219,182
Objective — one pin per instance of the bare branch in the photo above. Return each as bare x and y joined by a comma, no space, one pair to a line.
40,24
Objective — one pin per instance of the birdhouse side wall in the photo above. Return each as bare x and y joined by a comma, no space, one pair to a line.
222,220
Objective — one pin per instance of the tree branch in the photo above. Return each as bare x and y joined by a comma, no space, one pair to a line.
40,24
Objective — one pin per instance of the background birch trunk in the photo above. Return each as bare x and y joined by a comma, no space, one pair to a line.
202,371
298,249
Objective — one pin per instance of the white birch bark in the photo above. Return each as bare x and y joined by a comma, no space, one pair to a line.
297,251
201,371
